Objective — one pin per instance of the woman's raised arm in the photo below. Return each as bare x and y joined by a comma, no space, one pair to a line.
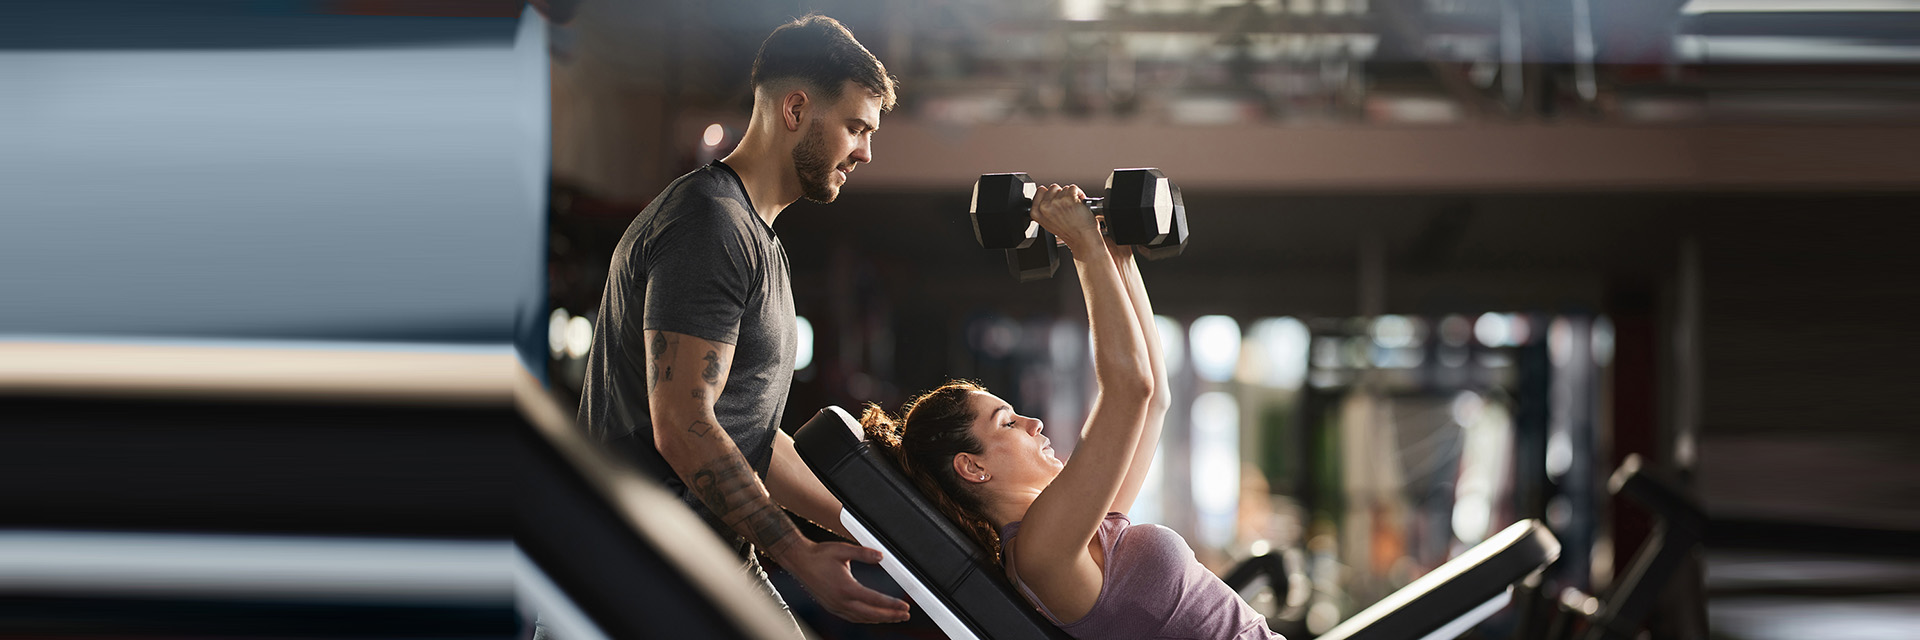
1055,532
1161,399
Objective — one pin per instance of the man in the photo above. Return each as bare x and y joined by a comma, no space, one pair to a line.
696,337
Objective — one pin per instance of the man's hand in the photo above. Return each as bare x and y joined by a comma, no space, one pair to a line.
824,568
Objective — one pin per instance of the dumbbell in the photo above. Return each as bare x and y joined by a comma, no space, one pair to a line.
1142,208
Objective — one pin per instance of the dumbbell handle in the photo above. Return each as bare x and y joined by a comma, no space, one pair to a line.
1097,203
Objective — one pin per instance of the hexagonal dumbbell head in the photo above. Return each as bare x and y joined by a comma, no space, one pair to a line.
1036,261
1000,211
1144,208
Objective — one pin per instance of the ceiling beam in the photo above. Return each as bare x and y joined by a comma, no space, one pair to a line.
1474,157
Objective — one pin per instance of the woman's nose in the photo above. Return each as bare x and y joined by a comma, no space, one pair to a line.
1037,426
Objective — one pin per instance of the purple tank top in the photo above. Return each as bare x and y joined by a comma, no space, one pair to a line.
1153,588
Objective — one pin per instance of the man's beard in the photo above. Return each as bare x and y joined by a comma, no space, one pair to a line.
814,168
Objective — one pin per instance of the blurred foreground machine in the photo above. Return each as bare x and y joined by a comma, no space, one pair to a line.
332,491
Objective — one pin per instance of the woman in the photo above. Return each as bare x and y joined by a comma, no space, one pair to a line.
1060,529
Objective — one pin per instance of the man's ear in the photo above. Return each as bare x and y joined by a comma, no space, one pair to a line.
793,108
969,468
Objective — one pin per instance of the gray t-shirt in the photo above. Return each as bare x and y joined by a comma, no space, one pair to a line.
700,262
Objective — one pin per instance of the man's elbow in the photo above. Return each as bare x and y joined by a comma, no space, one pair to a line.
670,441
665,442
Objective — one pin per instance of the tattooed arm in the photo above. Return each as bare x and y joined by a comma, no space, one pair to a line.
685,375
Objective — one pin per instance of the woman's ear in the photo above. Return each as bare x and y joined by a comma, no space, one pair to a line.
968,467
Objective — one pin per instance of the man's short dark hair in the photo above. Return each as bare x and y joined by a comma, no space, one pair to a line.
821,52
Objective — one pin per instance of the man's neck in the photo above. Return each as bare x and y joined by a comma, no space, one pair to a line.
765,177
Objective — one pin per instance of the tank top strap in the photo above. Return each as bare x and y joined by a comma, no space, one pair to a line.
1108,533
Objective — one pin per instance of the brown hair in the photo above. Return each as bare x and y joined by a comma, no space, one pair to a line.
822,53
933,428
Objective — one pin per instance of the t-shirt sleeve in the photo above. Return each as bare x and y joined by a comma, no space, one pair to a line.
700,276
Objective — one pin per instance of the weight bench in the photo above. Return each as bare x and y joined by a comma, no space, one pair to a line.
968,596
951,579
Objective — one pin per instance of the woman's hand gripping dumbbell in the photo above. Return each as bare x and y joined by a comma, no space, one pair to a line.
1142,208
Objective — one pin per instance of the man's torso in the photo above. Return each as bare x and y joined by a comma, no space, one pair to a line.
697,261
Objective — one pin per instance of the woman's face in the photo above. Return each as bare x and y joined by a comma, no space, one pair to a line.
1014,451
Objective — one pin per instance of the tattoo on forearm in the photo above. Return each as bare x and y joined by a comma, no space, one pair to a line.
706,488
700,428
712,374
729,488
724,484
768,528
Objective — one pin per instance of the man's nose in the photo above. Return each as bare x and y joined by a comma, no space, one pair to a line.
864,152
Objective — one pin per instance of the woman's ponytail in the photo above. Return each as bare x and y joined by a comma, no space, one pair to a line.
933,428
